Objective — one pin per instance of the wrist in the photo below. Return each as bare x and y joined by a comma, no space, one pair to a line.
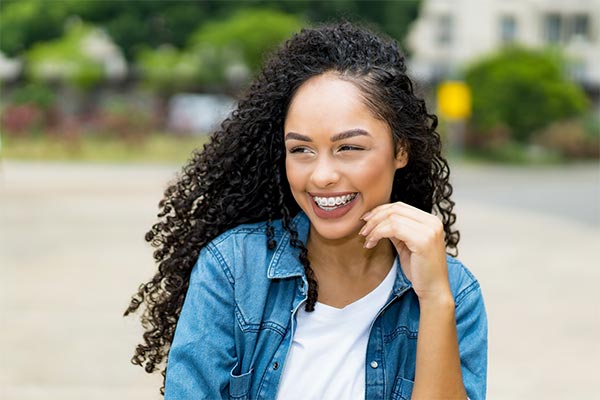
441,299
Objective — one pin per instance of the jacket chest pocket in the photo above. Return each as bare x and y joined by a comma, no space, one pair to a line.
402,389
239,385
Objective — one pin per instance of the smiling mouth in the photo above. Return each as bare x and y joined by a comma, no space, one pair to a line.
332,203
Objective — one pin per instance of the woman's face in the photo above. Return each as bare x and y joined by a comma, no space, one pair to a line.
340,159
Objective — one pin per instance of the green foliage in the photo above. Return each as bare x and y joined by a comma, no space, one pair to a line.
34,93
224,50
249,33
167,69
577,138
131,24
135,24
390,16
25,22
524,90
65,59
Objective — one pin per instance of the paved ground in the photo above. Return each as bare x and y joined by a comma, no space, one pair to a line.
72,252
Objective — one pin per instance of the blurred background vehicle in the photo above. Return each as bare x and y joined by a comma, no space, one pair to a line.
197,113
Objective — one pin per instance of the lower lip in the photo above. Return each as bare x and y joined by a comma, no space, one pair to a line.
337,213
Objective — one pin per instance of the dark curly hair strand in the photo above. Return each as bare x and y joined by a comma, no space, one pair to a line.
239,176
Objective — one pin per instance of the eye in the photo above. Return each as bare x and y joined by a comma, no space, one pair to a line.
299,150
347,147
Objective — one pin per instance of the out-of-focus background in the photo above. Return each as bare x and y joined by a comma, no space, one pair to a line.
101,102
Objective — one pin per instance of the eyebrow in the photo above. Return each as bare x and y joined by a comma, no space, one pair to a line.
338,136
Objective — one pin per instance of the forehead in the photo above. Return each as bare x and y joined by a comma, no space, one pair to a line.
326,103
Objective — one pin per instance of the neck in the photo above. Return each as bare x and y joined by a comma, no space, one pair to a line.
347,257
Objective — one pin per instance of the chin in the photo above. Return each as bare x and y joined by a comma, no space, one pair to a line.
335,230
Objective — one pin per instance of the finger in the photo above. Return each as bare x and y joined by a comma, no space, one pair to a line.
389,229
370,213
384,212
400,246
380,212
415,235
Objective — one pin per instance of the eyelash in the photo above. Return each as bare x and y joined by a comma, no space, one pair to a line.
298,149
345,146
350,147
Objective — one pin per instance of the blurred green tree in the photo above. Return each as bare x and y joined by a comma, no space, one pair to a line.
136,24
167,69
65,59
221,54
390,16
522,90
248,35
25,22
131,24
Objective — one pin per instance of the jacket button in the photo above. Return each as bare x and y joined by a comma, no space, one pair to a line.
374,364
275,365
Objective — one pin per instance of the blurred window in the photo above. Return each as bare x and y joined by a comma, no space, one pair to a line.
581,26
553,26
444,32
508,28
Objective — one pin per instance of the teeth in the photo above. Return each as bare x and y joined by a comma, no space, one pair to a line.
330,203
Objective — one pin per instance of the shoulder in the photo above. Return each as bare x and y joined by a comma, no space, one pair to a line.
462,281
251,234
244,246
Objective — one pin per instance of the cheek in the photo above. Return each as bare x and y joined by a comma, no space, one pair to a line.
294,176
375,176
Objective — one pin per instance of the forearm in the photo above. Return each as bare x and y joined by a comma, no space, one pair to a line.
438,373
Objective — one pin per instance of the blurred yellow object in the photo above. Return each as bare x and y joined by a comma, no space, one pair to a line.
454,100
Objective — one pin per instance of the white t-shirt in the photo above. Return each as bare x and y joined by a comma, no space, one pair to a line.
326,359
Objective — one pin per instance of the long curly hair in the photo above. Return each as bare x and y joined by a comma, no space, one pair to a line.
239,176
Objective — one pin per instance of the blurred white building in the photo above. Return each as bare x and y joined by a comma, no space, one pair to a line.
98,46
10,68
451,33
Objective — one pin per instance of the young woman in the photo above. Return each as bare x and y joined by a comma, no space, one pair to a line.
302,253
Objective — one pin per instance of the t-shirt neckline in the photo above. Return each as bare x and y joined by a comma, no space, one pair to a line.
382,290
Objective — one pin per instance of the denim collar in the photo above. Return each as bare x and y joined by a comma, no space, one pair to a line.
285,262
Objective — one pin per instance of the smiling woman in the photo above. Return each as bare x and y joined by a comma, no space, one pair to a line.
360,161
302,253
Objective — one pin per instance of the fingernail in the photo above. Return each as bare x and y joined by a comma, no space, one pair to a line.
368,244
366,216
362,230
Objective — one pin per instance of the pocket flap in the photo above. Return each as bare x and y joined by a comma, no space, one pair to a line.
402,389
239,385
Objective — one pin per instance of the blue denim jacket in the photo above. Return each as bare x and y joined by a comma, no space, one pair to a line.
238,317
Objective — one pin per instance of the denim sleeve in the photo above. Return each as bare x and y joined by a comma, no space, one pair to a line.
203,349
471,323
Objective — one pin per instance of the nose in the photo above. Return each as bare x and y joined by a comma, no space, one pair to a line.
325,172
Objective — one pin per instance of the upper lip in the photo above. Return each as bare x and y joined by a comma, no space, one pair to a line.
332,194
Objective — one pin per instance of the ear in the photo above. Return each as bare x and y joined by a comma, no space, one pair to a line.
401,158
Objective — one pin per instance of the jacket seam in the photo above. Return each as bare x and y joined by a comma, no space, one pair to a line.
222,263
245,326
260,230
465,292
401,330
